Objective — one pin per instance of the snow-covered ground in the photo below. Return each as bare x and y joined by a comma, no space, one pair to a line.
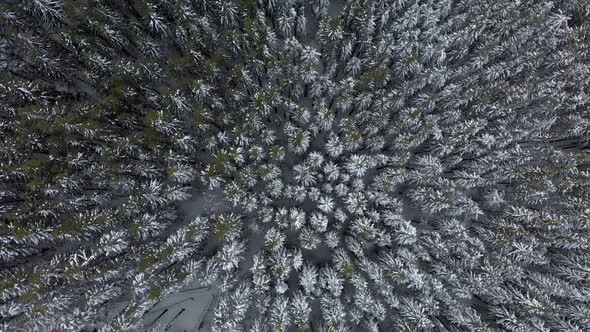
190,308
183,311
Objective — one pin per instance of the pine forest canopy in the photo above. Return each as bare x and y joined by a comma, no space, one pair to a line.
388,165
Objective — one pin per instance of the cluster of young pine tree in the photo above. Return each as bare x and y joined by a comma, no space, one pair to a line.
392,165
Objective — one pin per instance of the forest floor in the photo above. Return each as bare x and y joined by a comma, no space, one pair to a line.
190,309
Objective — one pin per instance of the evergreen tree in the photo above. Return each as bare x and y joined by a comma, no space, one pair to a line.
386,165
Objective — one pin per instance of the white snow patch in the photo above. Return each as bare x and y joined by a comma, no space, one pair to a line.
183,311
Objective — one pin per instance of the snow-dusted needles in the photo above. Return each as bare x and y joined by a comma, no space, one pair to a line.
294,165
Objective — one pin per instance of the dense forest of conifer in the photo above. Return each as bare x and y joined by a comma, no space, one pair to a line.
387,165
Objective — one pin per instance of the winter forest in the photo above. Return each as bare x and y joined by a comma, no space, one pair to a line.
295,165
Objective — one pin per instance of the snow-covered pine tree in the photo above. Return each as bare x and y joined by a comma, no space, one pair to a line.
388,165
